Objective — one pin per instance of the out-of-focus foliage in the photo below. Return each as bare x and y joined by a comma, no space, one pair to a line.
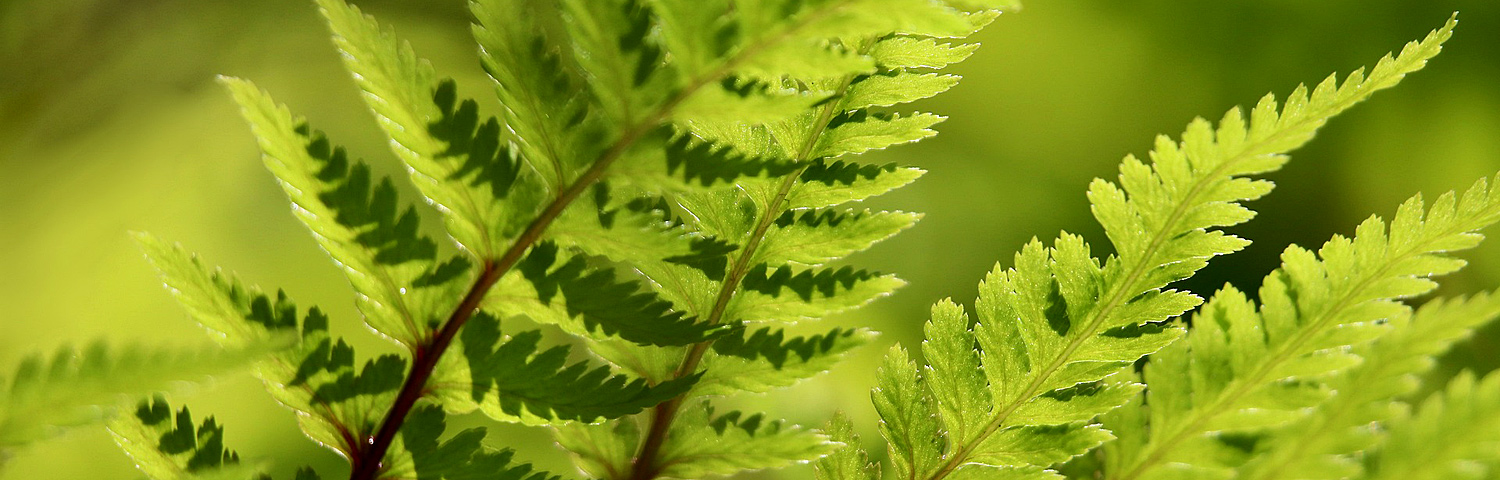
110,121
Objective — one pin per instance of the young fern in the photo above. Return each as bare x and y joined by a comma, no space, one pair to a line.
1056,330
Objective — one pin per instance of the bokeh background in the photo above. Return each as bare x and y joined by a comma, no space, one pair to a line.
110,122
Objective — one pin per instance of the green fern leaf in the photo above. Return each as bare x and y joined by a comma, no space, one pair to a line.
703,444
848,462
168,447
1060,321
1320,446
816,237
903,400
687,163
791,293
77,387
591,301
770,99
829,183
863,132
601,451
403,291
1243,370
511,380
419,456
339,404
546,102
610,40
1451,435
765,360
458,162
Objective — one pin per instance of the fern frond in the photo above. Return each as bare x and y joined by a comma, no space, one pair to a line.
1455,434
765,360
342,404
829,183
165,446
591,301
417,454
687,163
1319,446
849,461
75,387
547,103
701,444
818,236
1060,321
510,378
704,444
338,403
460,163
1245,370
403,290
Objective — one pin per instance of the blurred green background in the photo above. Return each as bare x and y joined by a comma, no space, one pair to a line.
110,121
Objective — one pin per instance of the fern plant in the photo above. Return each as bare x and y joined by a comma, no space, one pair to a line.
671,186
1047,373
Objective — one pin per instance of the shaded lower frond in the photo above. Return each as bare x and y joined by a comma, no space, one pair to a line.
339,403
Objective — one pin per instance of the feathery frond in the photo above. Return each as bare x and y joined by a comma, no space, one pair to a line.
1244,368
1053,328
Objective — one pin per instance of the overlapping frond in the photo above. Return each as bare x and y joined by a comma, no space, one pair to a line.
1455,434
1244,369
73,387
1322,446
1052,329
